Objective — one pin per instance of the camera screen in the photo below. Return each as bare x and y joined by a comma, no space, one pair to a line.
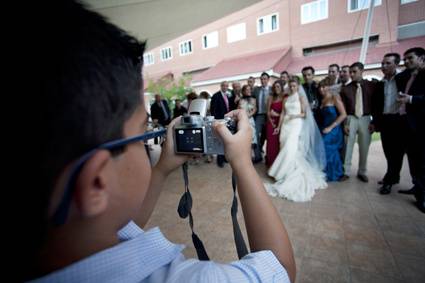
189,140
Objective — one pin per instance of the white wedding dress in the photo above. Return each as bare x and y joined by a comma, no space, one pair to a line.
296,177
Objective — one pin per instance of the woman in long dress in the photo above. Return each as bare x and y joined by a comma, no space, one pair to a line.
274,108
332,114
298,168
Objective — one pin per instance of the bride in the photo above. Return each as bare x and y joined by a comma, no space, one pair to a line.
298,168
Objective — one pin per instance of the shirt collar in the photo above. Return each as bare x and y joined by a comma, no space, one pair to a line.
138,256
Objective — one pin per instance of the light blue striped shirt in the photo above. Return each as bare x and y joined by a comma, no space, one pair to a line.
149,257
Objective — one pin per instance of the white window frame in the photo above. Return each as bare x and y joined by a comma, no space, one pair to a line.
305,20
148,59
183,43
232,30
377,3
215,34
171,53
402,2
267,21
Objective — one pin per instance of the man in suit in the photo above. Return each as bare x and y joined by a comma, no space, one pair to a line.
358,101
160,112
220,105
390,123
310,87
284,79
411,87
311,90
261,95
236,94
333,74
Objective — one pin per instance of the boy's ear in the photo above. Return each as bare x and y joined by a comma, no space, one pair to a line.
92,187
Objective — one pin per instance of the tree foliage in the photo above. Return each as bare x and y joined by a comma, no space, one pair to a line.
169,88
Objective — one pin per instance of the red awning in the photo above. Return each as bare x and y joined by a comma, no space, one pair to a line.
248,64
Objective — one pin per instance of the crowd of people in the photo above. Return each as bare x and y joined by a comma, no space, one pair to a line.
311,127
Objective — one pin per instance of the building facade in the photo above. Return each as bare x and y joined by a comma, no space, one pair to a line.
277,35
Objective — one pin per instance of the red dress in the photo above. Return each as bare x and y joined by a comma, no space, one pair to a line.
272,147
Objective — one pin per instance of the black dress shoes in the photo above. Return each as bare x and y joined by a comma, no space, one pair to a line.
363,178
385,189
412,191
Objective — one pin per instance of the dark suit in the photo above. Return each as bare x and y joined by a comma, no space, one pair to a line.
179,111
157,112
260,119
392,126
232,103
416,127
218,109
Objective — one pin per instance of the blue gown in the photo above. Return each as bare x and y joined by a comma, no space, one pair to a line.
333,143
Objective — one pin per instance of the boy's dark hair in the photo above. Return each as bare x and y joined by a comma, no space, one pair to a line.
88,83
419,51
345,66
265,74
358,65
396,57
334,65
308,68
284,72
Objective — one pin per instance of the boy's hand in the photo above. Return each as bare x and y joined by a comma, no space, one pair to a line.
237,147
169,160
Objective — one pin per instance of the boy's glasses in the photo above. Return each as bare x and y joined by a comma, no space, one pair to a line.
61,213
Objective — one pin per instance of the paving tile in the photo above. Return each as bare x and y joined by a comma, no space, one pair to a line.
406,244
376,261
327,249
411,267
361,276
314,270
367,237
400,224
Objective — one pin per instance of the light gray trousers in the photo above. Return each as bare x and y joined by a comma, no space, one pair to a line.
359,127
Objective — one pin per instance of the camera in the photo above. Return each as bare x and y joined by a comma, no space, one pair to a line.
195,133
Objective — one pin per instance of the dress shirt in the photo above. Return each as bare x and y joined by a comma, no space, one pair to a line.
149,257
391,105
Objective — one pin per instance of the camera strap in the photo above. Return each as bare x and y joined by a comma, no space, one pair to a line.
184,210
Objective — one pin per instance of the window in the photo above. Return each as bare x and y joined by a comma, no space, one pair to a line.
236,33
407,1
314,11
148,59
357,5
185,47
268,24
210,40
166,54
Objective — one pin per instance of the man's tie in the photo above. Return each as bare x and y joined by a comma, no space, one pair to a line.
261,102
226,101
164,111
359,102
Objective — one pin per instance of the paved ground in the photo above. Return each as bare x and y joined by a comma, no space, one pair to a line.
348,233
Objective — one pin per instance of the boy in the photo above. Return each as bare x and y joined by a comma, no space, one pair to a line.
95,188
